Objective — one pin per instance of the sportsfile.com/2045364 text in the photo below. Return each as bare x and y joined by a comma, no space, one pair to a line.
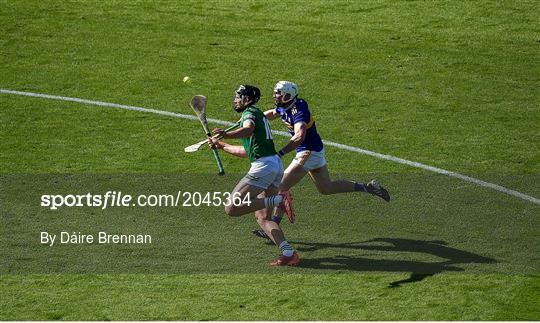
119,199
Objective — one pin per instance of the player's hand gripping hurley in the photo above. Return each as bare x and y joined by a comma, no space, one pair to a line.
198,104
195,147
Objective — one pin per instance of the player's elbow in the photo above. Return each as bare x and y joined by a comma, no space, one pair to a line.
297,140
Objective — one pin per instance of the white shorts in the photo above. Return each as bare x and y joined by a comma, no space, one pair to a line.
264,172
310,159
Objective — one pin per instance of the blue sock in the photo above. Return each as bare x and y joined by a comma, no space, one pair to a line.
277,218
360,187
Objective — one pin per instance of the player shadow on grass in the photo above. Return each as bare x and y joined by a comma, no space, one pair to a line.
419,270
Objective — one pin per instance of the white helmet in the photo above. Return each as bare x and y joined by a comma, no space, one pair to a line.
286,87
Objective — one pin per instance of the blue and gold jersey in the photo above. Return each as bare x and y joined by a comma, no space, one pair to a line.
299,112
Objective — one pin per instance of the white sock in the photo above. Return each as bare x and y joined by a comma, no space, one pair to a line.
273,201
286,249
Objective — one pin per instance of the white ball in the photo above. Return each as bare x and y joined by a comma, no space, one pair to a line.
187,80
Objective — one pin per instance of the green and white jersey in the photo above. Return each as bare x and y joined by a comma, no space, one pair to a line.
260,143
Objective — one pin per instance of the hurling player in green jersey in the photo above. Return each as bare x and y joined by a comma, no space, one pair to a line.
258,190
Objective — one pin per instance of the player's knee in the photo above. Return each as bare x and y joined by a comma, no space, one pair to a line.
260,219
263,214
231,210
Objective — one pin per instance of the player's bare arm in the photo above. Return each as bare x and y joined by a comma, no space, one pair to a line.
298,138
237,151
246,131
271,114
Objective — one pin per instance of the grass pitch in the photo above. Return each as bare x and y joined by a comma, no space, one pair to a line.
449,84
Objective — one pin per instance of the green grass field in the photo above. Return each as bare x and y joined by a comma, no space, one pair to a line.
450,84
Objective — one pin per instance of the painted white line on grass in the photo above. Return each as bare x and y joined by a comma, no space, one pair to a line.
436,170
283,133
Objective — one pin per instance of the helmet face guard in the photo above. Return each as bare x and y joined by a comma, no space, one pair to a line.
286,88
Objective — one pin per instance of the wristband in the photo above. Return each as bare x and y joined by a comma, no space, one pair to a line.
281,153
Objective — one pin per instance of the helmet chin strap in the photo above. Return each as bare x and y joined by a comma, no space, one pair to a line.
287,105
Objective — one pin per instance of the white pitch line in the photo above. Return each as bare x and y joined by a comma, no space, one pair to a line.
282,133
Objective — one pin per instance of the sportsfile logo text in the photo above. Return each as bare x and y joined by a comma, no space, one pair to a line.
119,199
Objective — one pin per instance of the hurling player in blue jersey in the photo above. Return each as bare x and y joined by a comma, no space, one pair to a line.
294,112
